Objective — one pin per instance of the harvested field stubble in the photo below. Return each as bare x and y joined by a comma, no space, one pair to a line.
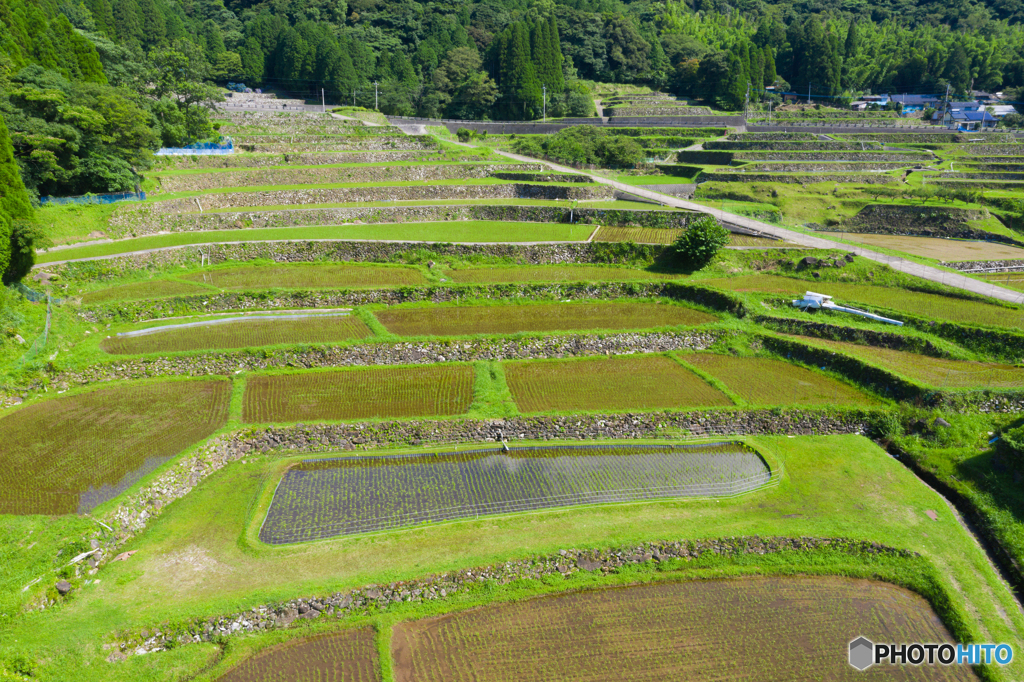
326,498
69,454
349,656
376,392
510,319
763,629
646,382
242,333
769,382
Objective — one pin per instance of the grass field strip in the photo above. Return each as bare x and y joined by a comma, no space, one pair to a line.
230,320
323,498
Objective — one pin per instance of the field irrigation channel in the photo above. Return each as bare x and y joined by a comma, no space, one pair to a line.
341,312
380,493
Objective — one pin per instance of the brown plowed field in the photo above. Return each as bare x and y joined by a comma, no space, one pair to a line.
375,392
345,657
642,382
541,317
757,630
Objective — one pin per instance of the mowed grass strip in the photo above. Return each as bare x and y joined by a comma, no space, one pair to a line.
632,382
937,372
915,303
742,629
769,382
71,453
349,656
555,273
365,393
541,317
243,333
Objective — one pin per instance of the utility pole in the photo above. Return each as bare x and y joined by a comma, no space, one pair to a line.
945,105
323,102
353,96
545,114
746,103
375,95
808,92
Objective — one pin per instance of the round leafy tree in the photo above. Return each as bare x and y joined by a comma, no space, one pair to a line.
700,242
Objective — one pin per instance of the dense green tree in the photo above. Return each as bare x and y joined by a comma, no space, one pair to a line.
700,242
520,91
15,212
958,70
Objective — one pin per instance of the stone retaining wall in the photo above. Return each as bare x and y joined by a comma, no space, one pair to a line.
993,149
137,311
340,195
325,175
297,126
228,363
344,137
410,143
128,221
629,111
840,157
774,137
275,117
826,167
266,160
960,175
905,138
440,587
767,145
968,266
865,178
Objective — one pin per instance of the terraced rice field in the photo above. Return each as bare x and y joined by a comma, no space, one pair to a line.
375,392
249,332
256,277
636,382
915,303
69,454
763,382
1010,280
761,629
555,273
330,497
137,291
940,249
937,372
308,276
541,317
350,656
637,235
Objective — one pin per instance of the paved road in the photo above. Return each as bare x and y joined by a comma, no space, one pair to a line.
903,265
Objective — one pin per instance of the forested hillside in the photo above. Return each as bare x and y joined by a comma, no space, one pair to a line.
91,87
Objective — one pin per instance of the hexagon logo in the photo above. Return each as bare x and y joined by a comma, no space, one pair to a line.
862,653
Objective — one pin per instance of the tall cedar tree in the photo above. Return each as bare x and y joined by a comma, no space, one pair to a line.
14,203
547,56
521,93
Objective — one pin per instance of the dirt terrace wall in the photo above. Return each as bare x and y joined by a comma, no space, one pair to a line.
137,311
340,195
229,363
410,143
440,587
265,160
768,145
914,220
146,222
325,175
865,178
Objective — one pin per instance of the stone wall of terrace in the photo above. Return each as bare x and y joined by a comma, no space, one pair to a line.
767,145
298,126
372,354
974,265
341,195
440,587
323,175
993,149
131,220
848,157
960,175
137,311
894,136
1013,167
345,135
806,137
368,144
265,160
864,178
250,117
826,167
641,111
1015,160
